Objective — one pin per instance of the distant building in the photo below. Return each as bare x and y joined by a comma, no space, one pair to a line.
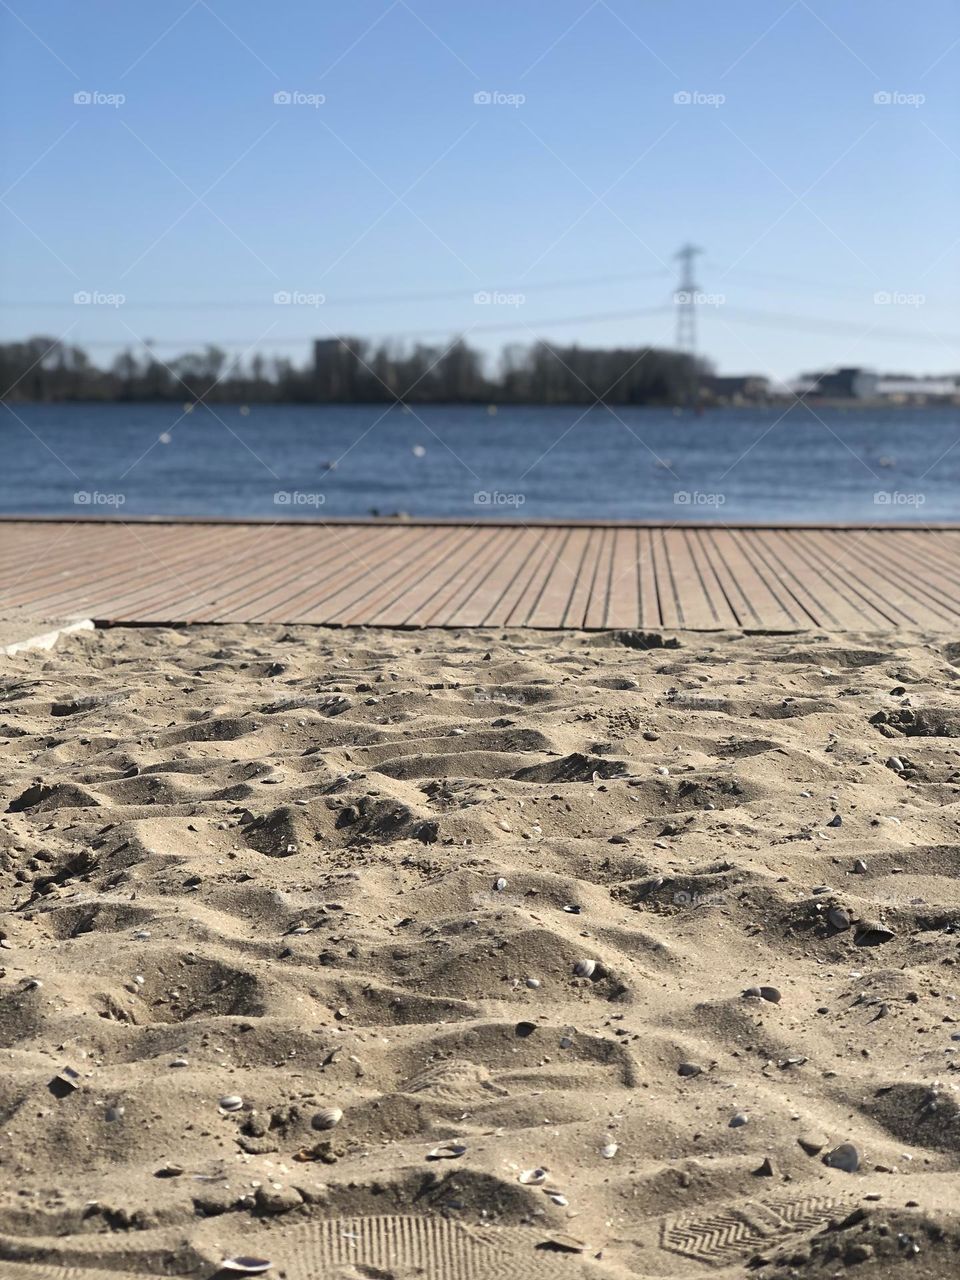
851,383
335,368
740,388
902,389
848,383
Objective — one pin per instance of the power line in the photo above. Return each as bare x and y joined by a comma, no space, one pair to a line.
507,327
777,279
816,324
775,282
359,299
737,315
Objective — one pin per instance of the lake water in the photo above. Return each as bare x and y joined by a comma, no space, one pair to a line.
274,461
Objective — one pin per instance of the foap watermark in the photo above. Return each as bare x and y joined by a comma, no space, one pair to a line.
896,98
298,298
297,98
95,298
498,695
497,298
95,98
297,498
496,98
694,498
698,298
494,498
94,701
894,498
683,898
85,498
897,298
695,98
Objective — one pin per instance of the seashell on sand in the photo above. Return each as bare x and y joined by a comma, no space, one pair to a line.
326,1118
871,933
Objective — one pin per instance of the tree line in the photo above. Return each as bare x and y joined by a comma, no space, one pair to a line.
355,371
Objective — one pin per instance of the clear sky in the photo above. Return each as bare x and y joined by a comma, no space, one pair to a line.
398,197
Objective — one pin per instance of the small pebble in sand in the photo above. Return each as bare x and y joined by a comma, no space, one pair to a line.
689,1069
835,821
896,764
532,1177
500,883
561,1243
447,1151
609,1149
585,968
573,908
812,1143
845,1157
860,867
663,771
246,1266
326,1118
277,1198
533,983
738,1120
838,919
770,994
231,1102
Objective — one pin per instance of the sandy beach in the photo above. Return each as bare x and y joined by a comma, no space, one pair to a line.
480,954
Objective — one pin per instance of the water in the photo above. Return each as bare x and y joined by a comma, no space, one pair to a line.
728,465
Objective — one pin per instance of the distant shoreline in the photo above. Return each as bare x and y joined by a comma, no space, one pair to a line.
774,402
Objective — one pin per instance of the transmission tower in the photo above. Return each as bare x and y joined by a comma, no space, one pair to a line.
686,299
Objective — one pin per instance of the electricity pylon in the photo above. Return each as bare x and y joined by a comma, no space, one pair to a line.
686,300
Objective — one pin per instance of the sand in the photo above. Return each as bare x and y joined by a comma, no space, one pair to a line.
495,897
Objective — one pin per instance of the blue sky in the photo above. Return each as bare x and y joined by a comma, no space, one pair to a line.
198,198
